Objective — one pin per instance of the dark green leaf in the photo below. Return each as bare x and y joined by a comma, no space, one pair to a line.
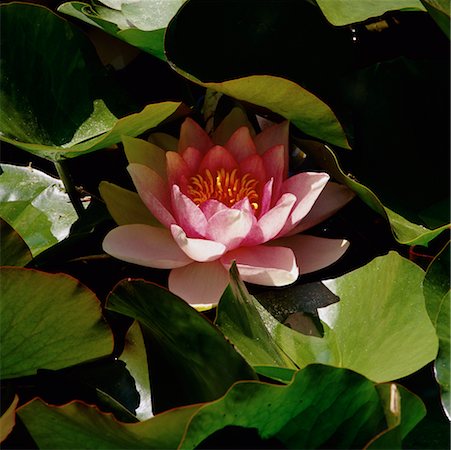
13,250
404,231
35,205
191,350
238,319
440,12
48,321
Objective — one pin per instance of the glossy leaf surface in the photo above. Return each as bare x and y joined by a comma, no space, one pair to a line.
35,205
192,351
386,292
48,321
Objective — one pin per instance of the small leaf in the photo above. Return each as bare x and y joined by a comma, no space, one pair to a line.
48,321
238,318
13,250
341,12
370,329
36,206
191,351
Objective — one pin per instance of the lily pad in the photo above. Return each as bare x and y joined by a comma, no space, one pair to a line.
139,23
35,205
75,110
341,12
48,321
190,351
13,250
370,329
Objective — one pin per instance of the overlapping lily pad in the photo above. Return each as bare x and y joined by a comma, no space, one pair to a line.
48,322
293,414
139,23
76,108
35,205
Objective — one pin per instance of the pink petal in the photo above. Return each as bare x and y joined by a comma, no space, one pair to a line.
265,202
332,198
268,266
153,192
199,284
306,186
189,216
217,158
270,224
274,162
177,169
145,245
274,135
240,144
234,120
211,207
244,205
192,135
230,227
253,165
313,253
192,157
201,250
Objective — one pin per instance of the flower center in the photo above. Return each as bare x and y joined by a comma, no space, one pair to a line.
226,187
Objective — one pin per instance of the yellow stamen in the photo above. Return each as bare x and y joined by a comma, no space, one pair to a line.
226,187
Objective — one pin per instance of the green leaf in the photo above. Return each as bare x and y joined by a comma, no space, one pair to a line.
403,411
193,351
76,426
35,205
135,357
13,250
342,12
440,12
437,293
238,318
404,231
48,321
370,329
8,419
140,23
322,406
301,107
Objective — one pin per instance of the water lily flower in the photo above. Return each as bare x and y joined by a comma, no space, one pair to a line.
215,204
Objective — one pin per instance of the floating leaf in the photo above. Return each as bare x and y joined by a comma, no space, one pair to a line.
13,250
191,350
370,329
438,297
140,23
238,319
48,321
76,426
35,205
341,12
404,231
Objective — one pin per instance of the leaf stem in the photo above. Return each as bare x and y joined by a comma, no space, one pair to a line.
71,189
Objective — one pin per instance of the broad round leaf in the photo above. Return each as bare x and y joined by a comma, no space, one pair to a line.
370,329
35,205
48,321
